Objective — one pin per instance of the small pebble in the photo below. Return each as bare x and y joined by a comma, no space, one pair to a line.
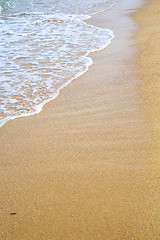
14,213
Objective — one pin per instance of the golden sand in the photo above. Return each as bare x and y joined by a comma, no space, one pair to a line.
148,62
86,166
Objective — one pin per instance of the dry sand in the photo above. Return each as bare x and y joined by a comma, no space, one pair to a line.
86,167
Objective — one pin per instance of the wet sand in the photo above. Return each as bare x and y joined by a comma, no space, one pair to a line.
86,167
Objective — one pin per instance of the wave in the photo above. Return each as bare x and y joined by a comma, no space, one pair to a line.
41,52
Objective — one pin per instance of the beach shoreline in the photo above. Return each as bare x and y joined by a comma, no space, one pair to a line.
80,168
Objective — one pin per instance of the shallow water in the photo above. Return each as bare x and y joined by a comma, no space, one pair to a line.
43,47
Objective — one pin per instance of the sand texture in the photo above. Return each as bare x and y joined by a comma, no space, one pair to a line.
86,167
148,62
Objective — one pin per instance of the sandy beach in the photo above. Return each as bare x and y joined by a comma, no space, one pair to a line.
87,166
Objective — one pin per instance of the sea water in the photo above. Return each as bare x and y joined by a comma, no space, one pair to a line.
44,45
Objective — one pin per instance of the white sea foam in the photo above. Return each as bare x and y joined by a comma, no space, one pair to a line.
42,51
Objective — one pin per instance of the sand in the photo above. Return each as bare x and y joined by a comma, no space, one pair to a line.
86,167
